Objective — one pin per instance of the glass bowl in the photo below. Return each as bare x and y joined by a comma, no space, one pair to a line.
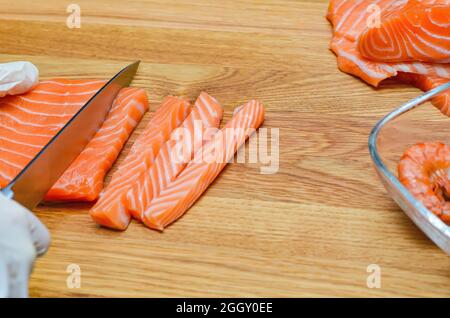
414,122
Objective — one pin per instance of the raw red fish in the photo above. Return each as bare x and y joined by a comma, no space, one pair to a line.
29,121
426,83
350,19
420,31
179,195
175,154
351,61
110,210
83,180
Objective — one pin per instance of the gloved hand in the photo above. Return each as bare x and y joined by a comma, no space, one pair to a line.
17,78
22,238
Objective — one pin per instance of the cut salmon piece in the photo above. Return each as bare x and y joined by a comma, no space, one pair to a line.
83,180
426,83
175,153
179,195
418,32
350,61
110,209
30,120
350,19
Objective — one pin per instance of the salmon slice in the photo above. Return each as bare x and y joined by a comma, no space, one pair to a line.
426,83
418,32
352,62
110,210
175,154
350,19
83,180
179,195
29,121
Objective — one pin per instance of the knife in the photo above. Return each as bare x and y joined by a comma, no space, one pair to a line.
35,180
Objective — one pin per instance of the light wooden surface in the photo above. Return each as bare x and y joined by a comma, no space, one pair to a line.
309,230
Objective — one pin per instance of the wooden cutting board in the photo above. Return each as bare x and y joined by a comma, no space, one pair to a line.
312,229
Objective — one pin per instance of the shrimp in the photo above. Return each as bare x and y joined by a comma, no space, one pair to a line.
424,170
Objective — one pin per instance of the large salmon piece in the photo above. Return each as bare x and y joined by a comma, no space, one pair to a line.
29,121
350,19
418,32
180,194
110,210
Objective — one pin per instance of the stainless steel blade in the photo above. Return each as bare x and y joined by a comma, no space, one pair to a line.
33,182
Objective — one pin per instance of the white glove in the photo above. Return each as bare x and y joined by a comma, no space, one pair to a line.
17,78
22,238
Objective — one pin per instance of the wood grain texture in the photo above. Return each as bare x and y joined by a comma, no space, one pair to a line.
309,230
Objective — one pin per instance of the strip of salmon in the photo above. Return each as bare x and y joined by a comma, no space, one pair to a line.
83,180
420,31
180,194
110,209
175,154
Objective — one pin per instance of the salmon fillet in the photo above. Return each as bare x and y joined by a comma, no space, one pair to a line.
110,210
175,153
350,19
420,31
83,180
180,194
29,121
426,83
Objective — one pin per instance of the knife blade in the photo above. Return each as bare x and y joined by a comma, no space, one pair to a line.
33,182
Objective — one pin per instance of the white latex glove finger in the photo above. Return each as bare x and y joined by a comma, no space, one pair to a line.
19,273
39,234
21,236
4,281
17,78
